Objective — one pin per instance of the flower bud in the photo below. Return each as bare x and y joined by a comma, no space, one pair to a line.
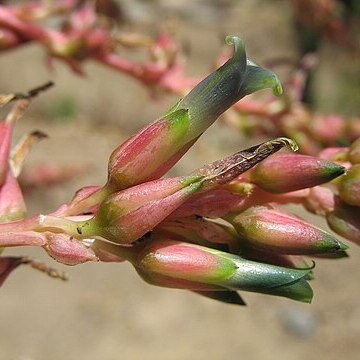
345,220
349,187
129,214
155,149
187,266
275,230
288,172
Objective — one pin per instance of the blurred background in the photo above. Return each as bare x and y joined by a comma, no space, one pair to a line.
106,311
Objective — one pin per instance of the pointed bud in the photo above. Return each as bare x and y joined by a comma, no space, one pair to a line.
129,214
275,230
345,220
154,150
197,264
288,172
349,187
354,152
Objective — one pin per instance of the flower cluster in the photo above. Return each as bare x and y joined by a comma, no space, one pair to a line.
214,231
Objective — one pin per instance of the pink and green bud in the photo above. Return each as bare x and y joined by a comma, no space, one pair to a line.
153,151
345,221
272,229
203,265
289,172
354,152
349,186
187,266
129,214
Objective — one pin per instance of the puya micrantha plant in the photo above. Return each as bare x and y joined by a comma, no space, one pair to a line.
214,231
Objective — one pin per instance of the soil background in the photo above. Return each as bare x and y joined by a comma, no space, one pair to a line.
106,311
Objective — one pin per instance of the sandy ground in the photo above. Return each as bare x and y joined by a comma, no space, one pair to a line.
105,311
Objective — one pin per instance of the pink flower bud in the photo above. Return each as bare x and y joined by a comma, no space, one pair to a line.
168,262
275,230
150,153
288,172
345,220
129,214
349,187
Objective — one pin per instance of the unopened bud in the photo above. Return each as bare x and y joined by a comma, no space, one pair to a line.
155,149
198,264
129,214
288,172
275,230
